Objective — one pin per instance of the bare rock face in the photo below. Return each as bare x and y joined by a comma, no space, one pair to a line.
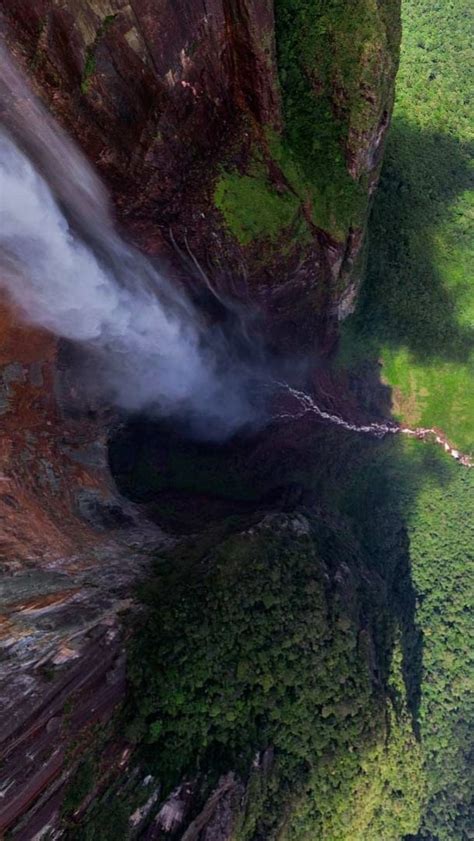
241,141
70,552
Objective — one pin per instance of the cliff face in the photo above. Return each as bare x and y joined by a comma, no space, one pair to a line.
241,141
244,136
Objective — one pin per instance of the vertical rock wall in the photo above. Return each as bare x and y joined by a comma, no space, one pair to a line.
241,139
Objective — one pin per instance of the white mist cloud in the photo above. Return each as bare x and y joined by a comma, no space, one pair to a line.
84,283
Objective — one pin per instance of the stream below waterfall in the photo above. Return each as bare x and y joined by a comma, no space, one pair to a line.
307,405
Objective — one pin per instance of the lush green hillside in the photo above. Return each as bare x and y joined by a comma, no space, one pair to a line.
333,641
263,639
416,312
441,529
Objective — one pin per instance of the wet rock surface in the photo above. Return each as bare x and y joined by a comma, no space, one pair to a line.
71,550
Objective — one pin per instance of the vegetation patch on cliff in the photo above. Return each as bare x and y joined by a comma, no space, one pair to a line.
253,207
336,72
90,58
336,67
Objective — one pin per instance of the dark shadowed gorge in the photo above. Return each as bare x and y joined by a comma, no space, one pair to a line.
236,415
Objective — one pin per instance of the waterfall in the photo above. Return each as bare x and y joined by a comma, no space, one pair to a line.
66,269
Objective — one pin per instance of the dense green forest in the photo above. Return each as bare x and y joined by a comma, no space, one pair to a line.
321,653
337,635
271,652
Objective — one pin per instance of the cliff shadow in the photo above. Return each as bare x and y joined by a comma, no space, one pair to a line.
412,299
415,227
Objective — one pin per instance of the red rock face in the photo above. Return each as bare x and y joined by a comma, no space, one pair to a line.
67,570
40,452
151,92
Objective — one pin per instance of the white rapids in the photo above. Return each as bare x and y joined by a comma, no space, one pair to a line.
307,405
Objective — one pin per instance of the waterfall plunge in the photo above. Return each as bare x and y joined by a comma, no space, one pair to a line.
66,269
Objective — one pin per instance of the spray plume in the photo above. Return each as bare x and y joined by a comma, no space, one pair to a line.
67,270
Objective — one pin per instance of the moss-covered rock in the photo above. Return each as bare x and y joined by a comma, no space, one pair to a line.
301,185
337,63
